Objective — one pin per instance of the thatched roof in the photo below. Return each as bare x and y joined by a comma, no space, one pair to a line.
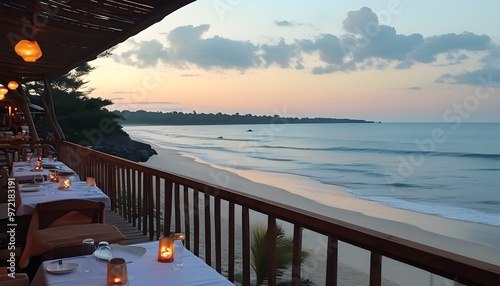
71,32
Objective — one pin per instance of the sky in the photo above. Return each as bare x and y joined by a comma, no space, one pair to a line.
389,61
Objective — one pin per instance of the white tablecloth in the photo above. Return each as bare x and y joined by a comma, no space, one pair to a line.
49,192
24,171
143,271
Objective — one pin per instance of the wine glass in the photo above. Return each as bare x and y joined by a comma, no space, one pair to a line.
88,248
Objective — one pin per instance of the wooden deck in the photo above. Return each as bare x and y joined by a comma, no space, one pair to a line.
132,234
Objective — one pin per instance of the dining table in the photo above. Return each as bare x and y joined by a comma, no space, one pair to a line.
142,267
33,191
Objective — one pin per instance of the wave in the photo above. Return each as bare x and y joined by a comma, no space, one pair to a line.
393,151
272,159
446,211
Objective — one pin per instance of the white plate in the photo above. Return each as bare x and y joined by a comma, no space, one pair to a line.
128,252
62,268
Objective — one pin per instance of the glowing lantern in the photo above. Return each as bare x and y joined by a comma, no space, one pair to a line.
28,50
116,273
166,249
3,90
12,85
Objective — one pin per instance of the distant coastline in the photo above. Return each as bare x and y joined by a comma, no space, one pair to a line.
180,118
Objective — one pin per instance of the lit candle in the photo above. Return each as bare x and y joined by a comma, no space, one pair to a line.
116,272
166,249
90,182
53,176
64,183
38,166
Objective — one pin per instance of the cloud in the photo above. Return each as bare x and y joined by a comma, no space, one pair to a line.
155,103
188,47
365,44
433,46
284,23
488,77
360,20
282,54
143,55
415,88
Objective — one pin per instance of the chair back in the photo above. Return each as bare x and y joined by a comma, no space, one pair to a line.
67,212
21,279
4,171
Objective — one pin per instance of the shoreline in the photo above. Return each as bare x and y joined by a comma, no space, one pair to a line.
468,239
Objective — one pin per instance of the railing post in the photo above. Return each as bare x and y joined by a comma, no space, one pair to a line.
375,269
218,236
245,222
271,236
167,213
231,244
297,253
208,227
332,261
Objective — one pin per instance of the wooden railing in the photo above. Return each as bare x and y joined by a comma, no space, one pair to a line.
216,222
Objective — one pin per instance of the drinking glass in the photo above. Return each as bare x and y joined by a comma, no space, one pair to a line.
179,253
103,251
88,248
38,179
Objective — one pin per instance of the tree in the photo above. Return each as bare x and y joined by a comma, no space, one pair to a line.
79,115
284,255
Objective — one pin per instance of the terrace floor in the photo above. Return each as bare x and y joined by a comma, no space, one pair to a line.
132,234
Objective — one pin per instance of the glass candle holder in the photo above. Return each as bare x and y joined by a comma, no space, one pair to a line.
64,183
54,176
90,182
166,249
116,272
38,166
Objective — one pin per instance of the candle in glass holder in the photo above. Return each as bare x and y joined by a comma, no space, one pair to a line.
116,273
166,249
54,176
90,182
38,166
64,183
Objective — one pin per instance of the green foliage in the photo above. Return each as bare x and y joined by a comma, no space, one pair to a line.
83,119
284,255
180,118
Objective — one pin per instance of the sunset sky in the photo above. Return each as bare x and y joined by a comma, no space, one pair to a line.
389,61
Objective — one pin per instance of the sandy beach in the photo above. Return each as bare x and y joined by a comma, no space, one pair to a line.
473,240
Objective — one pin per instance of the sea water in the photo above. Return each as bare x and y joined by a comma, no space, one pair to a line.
447,170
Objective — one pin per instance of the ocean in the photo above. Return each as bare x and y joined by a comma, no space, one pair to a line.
446,170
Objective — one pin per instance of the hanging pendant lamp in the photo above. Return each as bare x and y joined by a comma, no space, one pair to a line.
12,84
28,50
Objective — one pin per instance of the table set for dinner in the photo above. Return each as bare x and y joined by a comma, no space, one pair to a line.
38,186
138,262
